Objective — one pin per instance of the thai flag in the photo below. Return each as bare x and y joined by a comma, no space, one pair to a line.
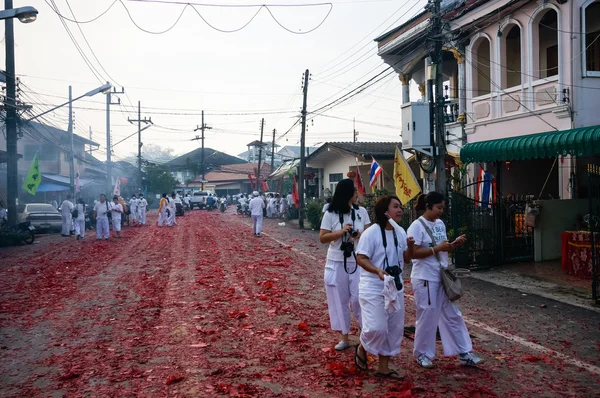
486,189
375,172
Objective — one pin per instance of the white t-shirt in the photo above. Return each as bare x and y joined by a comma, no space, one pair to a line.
66,208
256,206
331,222
142,204
364,214
116,216
133,203
371,245
325,207
428,268
80,211
101,209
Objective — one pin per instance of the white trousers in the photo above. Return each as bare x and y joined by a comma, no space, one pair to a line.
142,216
257,224
269,211
102,230
162,218
67,223
116,223
435,310
341,289
382,331
171,218
133,214
79,226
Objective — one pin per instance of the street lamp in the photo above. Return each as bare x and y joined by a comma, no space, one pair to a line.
102,89
25,15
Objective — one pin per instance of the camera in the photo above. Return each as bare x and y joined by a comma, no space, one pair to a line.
353,233
347,248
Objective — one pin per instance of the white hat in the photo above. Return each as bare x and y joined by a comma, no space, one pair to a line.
255,193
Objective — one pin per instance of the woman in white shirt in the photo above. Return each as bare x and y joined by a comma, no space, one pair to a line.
117,212
382,251
101,211
341,228
434,309
80,219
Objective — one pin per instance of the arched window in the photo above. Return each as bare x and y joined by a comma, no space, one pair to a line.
481,67
591,38
547,44
511,56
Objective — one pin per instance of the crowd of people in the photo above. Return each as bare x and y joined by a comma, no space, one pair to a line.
363,277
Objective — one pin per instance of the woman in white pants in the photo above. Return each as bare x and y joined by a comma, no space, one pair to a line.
382,251
341,228
80,219
434,309
101,211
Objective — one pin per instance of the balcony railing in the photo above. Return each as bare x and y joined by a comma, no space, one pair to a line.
451,110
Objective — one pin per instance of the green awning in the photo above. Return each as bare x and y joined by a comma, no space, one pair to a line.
583,141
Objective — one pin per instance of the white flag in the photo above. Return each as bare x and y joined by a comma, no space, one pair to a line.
117,190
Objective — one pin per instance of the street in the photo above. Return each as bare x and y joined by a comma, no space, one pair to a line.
205,309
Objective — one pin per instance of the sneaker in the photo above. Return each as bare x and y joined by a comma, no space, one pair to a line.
424,362
470,359
341,346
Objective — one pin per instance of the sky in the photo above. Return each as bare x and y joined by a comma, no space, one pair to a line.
236,78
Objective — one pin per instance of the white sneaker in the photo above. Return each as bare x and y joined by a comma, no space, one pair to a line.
341,346
470,359
424,362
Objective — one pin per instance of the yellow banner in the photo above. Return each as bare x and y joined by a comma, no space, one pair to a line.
405,182
34,177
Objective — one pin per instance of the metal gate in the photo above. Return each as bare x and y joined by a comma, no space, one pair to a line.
517,237
594,224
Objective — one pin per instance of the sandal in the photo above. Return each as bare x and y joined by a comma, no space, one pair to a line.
391,375
361,363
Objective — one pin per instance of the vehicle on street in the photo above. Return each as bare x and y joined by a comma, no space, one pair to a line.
42,216
198,199
179,210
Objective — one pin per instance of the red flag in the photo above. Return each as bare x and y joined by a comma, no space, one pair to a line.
295,196
265,186
359,182
251,181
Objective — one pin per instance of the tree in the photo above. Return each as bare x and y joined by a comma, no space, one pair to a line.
159,179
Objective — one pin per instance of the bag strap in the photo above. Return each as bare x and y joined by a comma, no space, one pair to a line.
428,230
383,238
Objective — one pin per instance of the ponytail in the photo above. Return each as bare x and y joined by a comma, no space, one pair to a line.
420,203
426,202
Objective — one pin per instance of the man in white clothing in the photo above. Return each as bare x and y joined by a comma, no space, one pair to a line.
117,212
133,211
256,208
172,209
80,219
142,208
66,210
101,210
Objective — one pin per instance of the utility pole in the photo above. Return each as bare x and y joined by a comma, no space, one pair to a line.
72,160
440,136
12,167
262,126
108,144
273,151
302,153
203,127
139,122
355,135
90,139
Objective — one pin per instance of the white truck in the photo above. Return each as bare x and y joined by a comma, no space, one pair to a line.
198,199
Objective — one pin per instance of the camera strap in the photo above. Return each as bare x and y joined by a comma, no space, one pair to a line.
386,261
353,217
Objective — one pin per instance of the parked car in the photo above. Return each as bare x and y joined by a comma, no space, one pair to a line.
42,216
198,199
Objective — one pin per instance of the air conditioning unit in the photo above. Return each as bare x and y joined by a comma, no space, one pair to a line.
416,129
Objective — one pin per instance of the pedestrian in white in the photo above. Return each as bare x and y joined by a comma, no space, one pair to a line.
283,206
117,213
256,210
172,210
163,211
142,208
101,211
341,228
55,203
269,204
243,202
66,209
80,219
133,208
434,309
382,253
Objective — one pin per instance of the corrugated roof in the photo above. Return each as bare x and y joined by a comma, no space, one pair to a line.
212,159
368,150
237,172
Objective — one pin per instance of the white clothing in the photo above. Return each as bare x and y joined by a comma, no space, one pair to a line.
66,210
257,224
102,229
142,205
171,217
435,310
342,293
102,209
116,217
382,331
79,227
283,206
270,207
325,207
390,294
371,245
428,268
331,222
133,204
162,214
364,214
256,206
80,211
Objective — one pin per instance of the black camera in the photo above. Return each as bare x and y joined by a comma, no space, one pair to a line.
347,248
395,272
353,233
